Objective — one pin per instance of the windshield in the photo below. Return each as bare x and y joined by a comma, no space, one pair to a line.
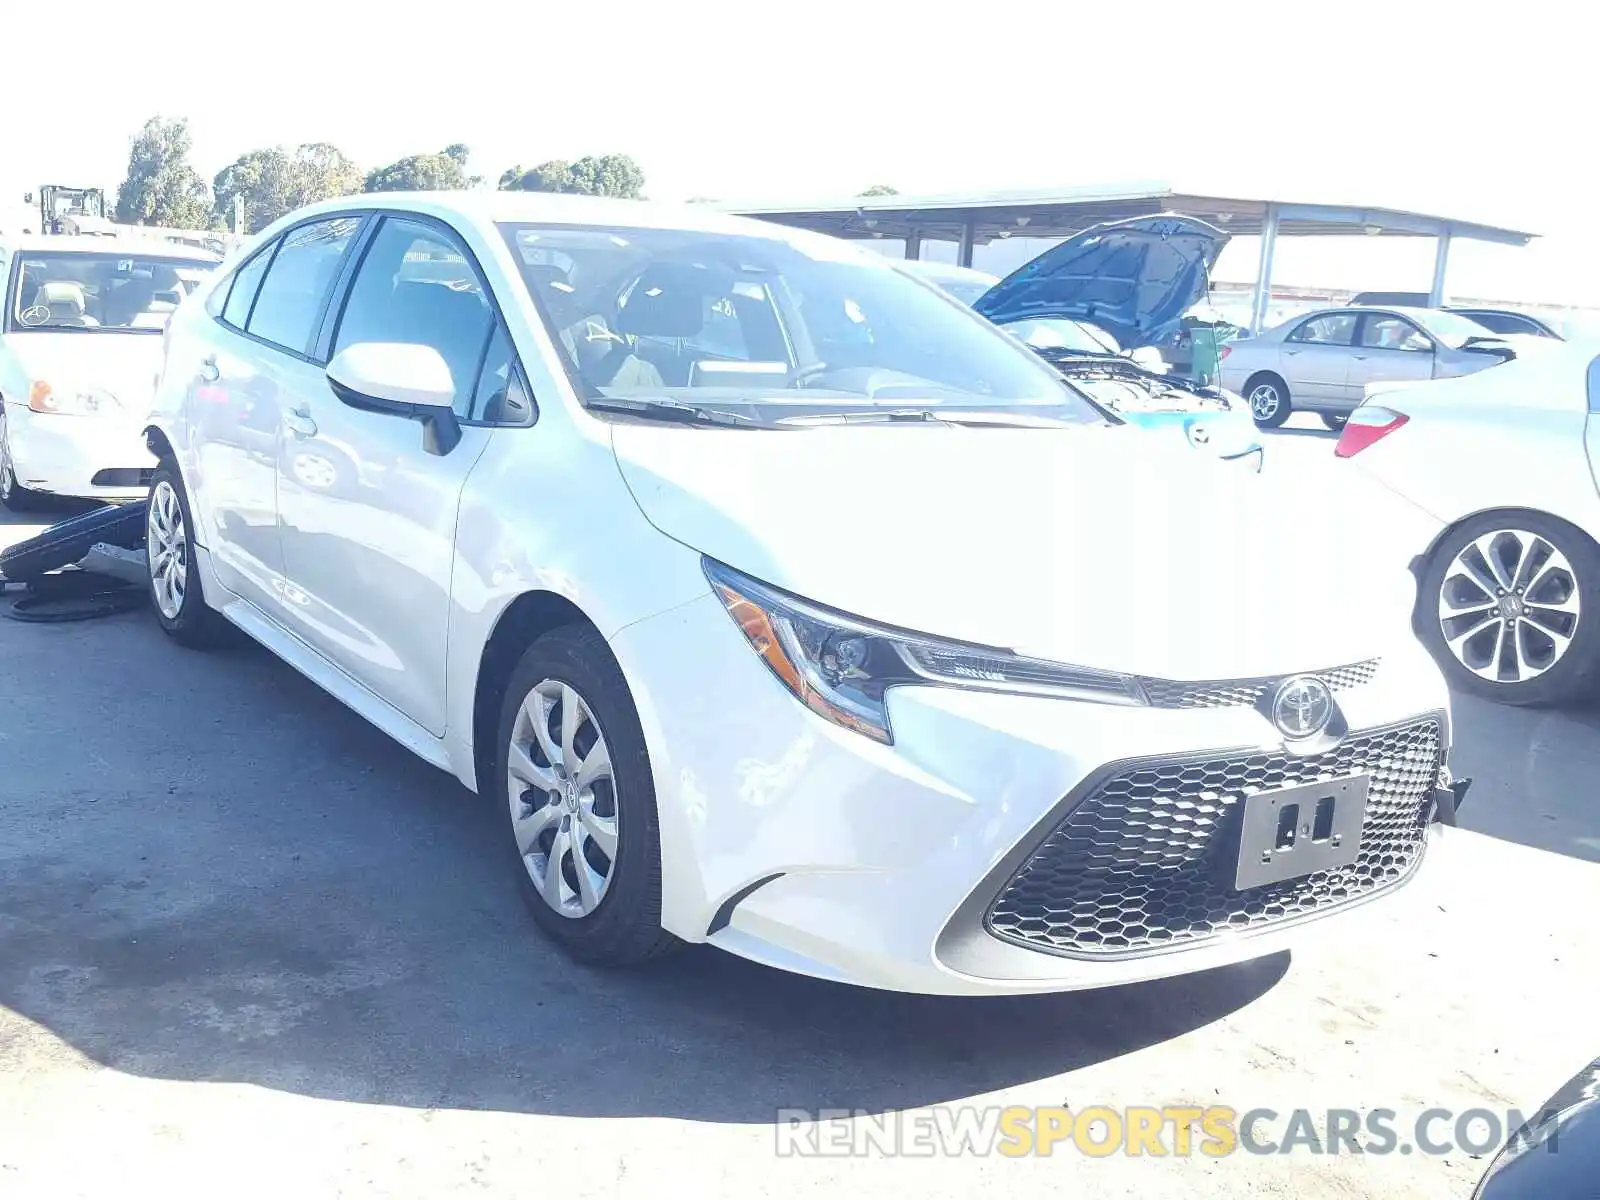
113,292
768,327
1063,333
1451,328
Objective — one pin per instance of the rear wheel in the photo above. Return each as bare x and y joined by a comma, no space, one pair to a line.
176,592
582,832
1335,421
1510,608
1269,400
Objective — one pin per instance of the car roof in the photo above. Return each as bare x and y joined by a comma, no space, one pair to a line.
30,243
557,209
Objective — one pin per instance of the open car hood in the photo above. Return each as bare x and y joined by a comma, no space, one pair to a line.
1135,278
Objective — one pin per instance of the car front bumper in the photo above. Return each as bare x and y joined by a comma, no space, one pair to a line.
795,843
91,457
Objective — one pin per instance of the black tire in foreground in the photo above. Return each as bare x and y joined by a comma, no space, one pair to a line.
177,595
1268,397
1335,421
67,542
1509,606
572,780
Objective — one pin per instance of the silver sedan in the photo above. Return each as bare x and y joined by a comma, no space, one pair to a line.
1322,362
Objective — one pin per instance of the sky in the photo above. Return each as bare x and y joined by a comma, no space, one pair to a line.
1466,110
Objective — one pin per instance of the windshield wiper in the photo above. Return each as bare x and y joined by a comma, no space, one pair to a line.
924,416
674,411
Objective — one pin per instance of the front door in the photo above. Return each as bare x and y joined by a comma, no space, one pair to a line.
1316,357
1389,348
368,515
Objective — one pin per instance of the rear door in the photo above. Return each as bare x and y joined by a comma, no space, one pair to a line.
256,365
368,513
1316,357
1389,347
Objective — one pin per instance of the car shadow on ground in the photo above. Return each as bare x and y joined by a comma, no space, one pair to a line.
215,872
1533,773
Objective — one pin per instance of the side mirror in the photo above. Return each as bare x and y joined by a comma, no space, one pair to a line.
401,379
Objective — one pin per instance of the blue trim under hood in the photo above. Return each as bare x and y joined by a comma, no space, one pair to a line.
1135,278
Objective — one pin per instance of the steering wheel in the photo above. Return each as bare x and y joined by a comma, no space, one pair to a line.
35,314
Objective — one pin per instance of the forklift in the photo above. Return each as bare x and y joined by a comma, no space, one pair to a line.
66,210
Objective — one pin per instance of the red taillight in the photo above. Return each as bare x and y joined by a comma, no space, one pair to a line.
1366,425
1224,352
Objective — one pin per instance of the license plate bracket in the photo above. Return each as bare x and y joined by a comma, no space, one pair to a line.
1295,831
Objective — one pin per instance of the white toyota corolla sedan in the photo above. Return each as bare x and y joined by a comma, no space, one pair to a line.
780,602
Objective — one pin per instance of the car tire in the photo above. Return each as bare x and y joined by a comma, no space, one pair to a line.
1469,599
1335,421
560,817
177,594
1268,397
12,494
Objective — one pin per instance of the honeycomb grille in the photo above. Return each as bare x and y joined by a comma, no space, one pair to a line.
1245,693
1147,859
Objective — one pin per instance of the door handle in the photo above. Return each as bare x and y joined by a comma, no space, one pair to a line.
1359,357
298,422
208,369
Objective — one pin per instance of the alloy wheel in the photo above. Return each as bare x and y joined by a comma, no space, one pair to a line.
1264,401
1509,606
167,545
563,798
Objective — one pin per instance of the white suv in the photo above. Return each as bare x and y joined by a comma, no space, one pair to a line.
779,601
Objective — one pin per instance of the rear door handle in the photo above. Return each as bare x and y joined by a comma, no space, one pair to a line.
298,422
208,369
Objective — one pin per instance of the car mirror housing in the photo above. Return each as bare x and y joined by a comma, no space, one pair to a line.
401,379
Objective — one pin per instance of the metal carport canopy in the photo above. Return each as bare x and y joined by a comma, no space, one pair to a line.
976,218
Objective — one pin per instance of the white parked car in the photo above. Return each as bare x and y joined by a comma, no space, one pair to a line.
80,349
1505,461
779,603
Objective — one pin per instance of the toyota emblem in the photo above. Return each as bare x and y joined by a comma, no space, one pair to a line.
1302,707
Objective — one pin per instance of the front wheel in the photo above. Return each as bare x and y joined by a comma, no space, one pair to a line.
12,494
1269,401
583,831
1510,608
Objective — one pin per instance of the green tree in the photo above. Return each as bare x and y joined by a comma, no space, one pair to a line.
592,175
444,171
161,187
880,189
274,182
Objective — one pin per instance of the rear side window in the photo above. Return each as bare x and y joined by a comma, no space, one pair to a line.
246,281
290,300
1330,329
415,285
1502,322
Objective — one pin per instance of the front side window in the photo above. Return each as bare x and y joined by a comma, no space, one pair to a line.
746,322
113,292
288,306
1393,333
1330,329
415,285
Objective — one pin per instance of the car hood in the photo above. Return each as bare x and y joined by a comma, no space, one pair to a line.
1135,278
124,364
1103,546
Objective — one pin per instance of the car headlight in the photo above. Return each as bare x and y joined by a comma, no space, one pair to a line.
841,668
42,398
